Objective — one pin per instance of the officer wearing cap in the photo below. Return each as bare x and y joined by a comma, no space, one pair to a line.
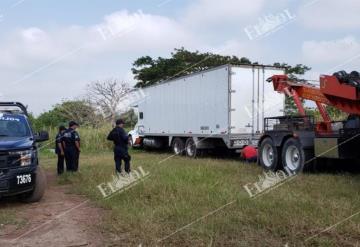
59,150
120,139
71,142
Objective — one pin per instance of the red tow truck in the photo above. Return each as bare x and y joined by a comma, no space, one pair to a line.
294,142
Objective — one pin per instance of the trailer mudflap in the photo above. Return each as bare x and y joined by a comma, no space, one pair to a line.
327,147
337,147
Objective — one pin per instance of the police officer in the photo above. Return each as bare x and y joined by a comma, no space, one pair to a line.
71,142
120,139
59,150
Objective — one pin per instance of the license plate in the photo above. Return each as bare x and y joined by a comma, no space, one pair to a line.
243,142
23,179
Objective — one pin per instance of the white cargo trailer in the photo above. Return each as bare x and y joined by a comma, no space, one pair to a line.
223,107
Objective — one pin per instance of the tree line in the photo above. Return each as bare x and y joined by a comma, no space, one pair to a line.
102,102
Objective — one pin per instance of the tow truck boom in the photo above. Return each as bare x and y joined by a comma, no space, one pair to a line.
331,92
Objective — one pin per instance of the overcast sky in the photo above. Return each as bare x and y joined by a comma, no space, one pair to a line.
49,50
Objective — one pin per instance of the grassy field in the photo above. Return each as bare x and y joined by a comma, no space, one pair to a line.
207,196
8,217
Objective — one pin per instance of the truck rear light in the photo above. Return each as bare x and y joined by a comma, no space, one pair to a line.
138,140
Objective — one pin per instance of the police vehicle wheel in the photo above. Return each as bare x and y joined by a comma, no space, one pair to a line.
268,155
39,187
190,148
178,146
293,156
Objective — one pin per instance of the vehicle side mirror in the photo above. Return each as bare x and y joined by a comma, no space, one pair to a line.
42,136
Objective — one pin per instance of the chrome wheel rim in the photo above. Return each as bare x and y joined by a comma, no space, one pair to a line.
177,148
292,158
190,149
268,155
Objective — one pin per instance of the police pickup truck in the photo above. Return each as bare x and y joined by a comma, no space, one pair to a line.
20,173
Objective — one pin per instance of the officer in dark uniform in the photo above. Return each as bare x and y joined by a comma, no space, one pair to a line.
59,150
71,142
120,139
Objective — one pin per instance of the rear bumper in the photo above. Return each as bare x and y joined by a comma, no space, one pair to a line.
11,184
239,141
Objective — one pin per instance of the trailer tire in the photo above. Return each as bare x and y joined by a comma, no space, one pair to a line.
131,143
178,146
190,148
39,188
268,155
293,156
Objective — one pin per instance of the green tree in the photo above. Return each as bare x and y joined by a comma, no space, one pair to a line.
130,118
336,114
51,118
33,121
148,71
79,110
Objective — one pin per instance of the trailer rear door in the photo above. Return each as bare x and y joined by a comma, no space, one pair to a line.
252,99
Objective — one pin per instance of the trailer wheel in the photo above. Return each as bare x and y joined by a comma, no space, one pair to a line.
268,155
293,156
131,143
178,146
190,148
39,187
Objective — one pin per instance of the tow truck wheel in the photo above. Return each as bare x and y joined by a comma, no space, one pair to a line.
39,187
178,146
190,148
293,156
268,155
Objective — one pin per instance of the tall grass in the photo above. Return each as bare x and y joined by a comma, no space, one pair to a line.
180,191
93,140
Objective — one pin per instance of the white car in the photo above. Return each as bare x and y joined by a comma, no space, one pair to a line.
135,140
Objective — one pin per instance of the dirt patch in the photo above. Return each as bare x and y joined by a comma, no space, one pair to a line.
59,219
